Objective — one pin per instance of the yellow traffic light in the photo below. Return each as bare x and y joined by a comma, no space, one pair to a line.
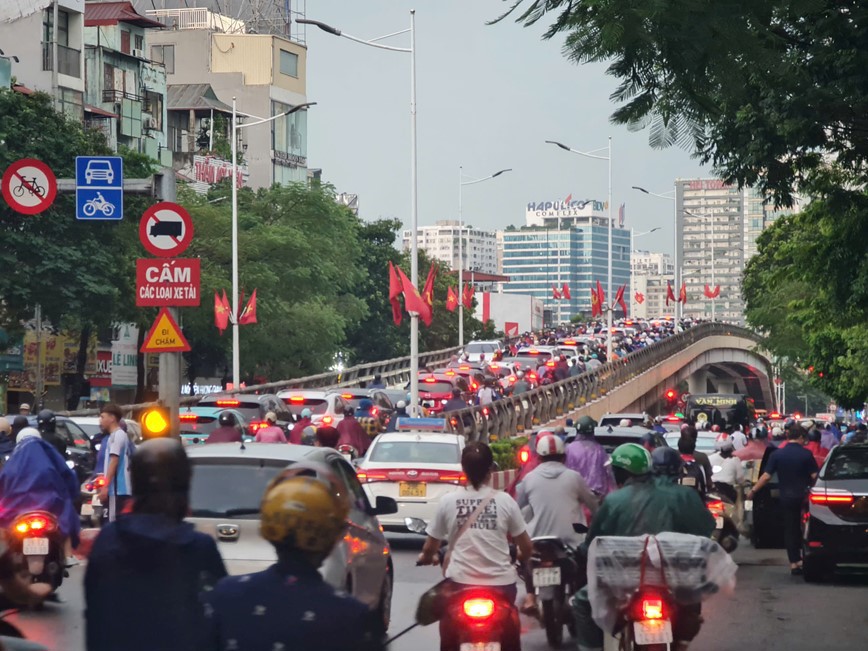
155,422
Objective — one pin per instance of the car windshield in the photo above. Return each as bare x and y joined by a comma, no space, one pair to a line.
230,488
847,463
435,387
414,452
703,443
297,404
475,349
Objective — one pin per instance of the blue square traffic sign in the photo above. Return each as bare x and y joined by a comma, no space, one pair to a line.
99,187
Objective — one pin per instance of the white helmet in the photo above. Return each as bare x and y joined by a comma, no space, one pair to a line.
28,433
549,445
625,422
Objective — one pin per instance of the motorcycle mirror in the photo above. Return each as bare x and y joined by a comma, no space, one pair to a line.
415,525
432,603
580,528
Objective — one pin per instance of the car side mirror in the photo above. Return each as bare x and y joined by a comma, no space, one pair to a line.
385,506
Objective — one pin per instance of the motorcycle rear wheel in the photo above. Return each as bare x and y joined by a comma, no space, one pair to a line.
553,624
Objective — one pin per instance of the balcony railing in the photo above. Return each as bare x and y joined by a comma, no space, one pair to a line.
114,95
68,60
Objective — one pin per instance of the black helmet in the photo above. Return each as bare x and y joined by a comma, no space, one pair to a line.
161,472
45,421
227,419
349,410
18,424
666,461
586,425
814,435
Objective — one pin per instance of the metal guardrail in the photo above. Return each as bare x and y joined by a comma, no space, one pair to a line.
508,416
392,371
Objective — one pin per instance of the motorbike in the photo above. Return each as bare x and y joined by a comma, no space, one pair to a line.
92,510
36,536
646,622
348,451
557,574
725,531
471,618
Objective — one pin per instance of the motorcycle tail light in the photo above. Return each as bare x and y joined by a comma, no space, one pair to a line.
478,608
327,420
34,523
715,506
649,605
524,455
256,425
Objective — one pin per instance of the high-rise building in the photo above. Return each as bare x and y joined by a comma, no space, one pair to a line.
648,263
650,274
565,243
440,241
759,214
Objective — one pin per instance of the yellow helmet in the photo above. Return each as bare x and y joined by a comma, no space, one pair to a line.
304,508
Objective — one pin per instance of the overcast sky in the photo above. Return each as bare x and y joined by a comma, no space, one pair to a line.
488,98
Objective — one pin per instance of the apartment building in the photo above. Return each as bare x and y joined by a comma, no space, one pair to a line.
441,241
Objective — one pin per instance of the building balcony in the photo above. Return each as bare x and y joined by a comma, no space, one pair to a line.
68,60
112,95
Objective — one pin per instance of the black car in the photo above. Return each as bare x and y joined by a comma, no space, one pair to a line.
836,529
79,451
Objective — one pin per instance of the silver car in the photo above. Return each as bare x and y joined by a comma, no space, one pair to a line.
228,483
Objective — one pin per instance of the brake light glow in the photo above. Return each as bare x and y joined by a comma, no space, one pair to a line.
715,506
34,523
463,368
296,398
649,605
831,496
327,420
524,455
479,608
188,417
450,373
550,364
374,411
430,380
228,403
673,418
652,608
369,476
347,396
256,425
774,414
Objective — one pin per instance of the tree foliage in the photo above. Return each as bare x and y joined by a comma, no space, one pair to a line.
807,289
766,91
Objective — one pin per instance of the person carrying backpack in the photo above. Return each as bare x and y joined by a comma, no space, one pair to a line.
692,472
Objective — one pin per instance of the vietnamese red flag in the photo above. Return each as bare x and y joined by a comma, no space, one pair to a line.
682,293
601,296
640,297
221,312
670,295
394,292
451,299
467,296
619,298
565,292
596,310
428,289
413,301
248,316
555,293
712,293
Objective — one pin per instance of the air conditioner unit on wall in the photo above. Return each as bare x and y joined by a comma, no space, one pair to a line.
138,53
150,123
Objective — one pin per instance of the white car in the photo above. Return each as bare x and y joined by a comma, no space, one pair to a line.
325,408
475,350
415,469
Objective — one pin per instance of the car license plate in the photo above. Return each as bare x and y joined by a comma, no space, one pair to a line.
653,631
718,522
479,646
545,576
36,546
87,509
412,489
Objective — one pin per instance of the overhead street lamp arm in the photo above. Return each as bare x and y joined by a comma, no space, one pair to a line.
373,42
587,154
653,194
294,109
486,178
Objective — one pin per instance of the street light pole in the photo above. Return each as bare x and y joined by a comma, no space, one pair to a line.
414,207
461,184
236,338
677,273
610,304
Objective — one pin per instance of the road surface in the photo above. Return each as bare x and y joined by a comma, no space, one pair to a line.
771,610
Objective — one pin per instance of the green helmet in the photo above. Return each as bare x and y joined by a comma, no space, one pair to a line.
632,457
586,425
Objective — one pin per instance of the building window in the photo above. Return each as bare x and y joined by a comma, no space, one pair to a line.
139,42
164,54
62,27
288,63
125,41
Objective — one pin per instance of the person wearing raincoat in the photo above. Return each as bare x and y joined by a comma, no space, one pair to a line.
352,433
36,478
588,458
641,505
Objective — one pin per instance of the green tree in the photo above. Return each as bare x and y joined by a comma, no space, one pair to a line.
299,249
766,91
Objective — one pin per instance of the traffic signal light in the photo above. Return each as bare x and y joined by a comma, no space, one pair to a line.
671,395
155,422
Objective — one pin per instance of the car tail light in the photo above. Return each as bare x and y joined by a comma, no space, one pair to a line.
369,476
296,399
524,455
374,412
649,605
550,364
430,380
347,396
327,420
256,425
459,479
228,403
478,608
186,417
34,524
831,496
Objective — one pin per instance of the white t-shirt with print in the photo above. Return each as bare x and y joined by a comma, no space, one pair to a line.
481,554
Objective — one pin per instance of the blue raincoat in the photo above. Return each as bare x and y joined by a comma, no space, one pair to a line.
36,478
